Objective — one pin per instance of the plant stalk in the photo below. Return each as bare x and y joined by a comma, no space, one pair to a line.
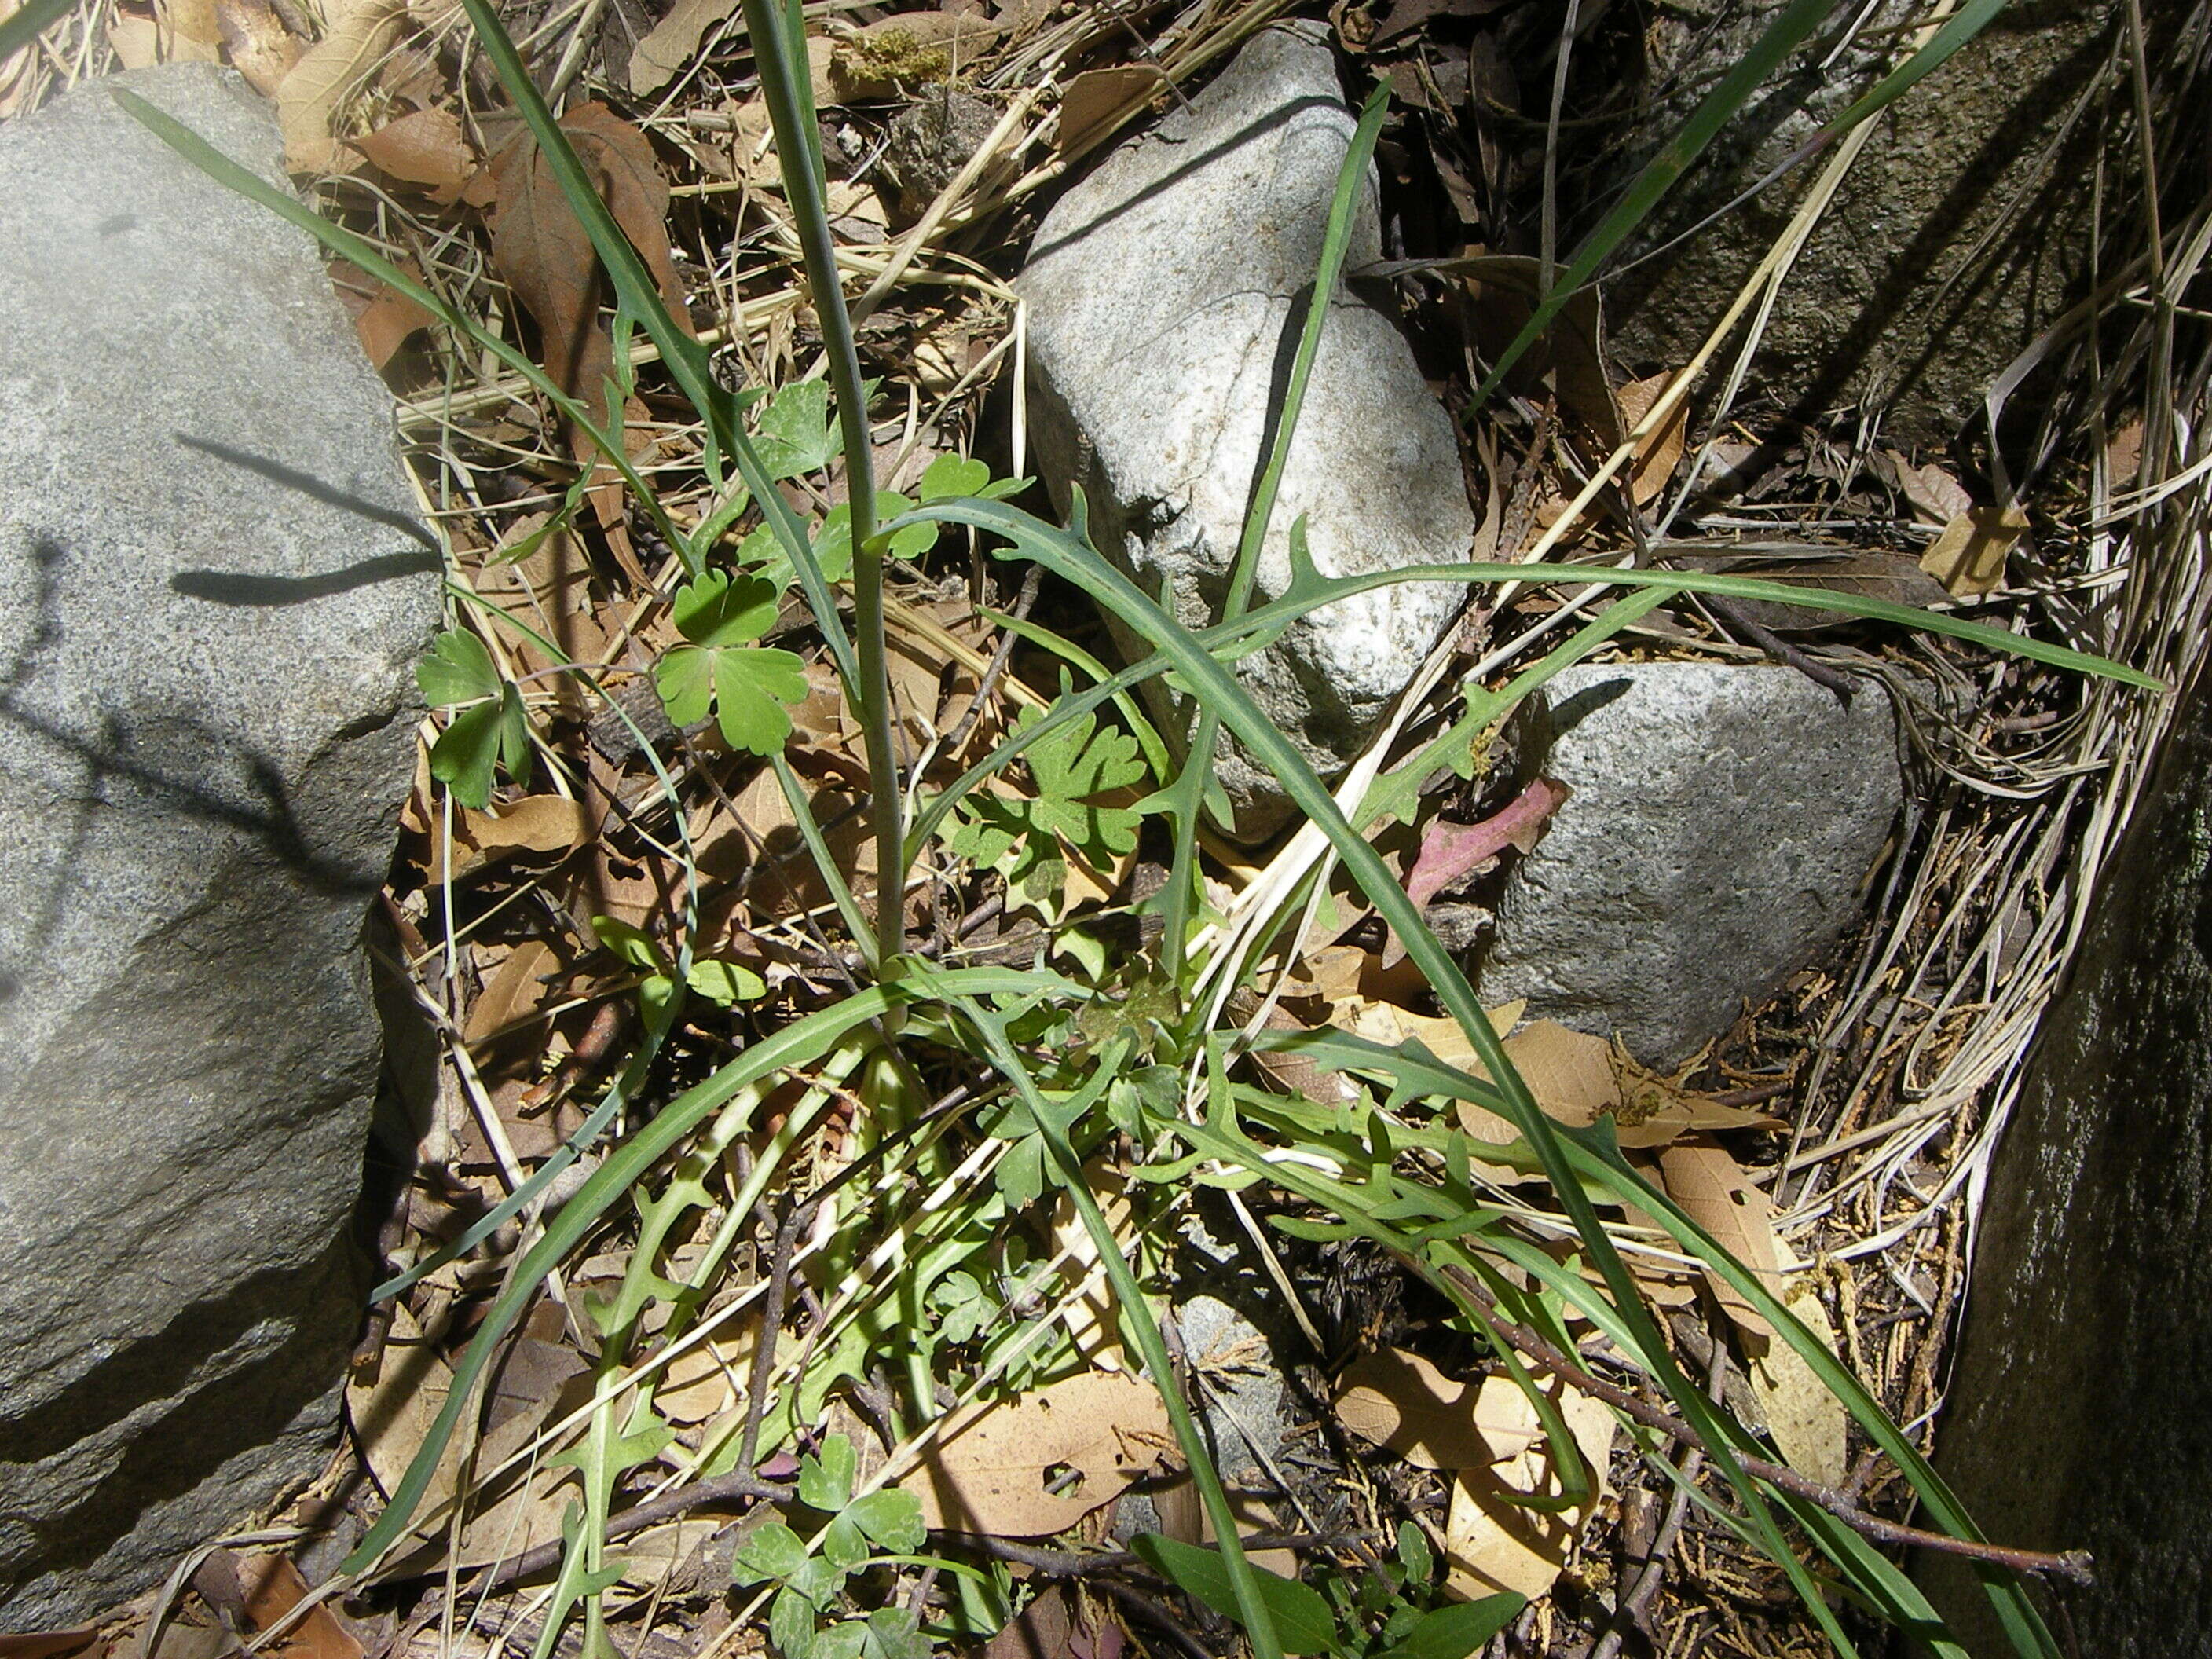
796,146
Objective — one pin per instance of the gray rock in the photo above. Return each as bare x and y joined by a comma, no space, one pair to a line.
2076,1418
1723,821
211,589
1165,295
1964,229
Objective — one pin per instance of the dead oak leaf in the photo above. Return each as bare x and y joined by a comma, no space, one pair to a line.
425,148
542,250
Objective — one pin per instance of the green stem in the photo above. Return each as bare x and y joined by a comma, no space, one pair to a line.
776,54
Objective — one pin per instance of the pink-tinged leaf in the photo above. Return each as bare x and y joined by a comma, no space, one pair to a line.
1452,851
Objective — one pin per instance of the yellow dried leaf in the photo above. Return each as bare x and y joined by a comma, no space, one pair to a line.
309,99
1969,557
1660,451
136,39
1399,1400
1712,1188
1492,1544
1088,1437
1807,1421
1094,102
656,60
190,33
1093,1326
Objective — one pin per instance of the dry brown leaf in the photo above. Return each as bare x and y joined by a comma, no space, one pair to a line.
1094,102
987,1472
189,30
1660,451
1578,1078
1712,1188
309,99
547,826
1502,293
258,44
273,1589
1872,572
516,990
2123,457
1935,494
136,39
1807,1421
387,323
1399,1400
707,1380
655,60
1492,1544
542,250
426,148
1969,557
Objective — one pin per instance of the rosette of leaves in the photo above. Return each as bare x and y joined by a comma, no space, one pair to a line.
747,685
810,1581
491,732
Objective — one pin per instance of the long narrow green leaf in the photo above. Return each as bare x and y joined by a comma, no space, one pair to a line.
784,86
1187,797
1075,561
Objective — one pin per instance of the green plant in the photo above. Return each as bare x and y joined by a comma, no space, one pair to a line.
809,1576
1386,1613
1059,1067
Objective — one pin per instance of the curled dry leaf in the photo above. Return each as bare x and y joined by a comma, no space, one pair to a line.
309,99
547,826
1577,1076
655,60
425,149
1660,451
542,249
1969,557
1719,1197
1400,1400
273,1589
1872,573
258,44
1037,1464
1492,1544
1808,1423
383,317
